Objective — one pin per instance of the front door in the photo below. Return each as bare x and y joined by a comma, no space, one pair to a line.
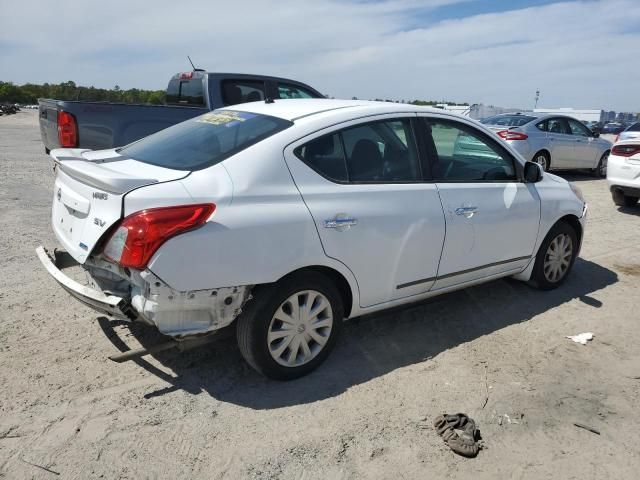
491,216
363,184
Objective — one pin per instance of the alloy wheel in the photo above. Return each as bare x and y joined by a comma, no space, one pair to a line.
300,328
542,161
603,165
558,258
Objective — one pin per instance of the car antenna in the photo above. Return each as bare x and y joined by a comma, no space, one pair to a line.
194,67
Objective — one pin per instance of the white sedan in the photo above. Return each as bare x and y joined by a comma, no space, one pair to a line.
624,174
289,216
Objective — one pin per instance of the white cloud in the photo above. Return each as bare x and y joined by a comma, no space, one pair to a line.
580,53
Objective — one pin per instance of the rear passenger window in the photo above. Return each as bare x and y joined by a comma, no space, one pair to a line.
242,91
377,152
465,155
286,90
326,156
543,126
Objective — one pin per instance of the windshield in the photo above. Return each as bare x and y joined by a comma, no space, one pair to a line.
205,140
508,120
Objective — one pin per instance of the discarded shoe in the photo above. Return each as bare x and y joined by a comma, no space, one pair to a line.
459,432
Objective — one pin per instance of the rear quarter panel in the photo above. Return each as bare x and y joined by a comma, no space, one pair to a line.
261,229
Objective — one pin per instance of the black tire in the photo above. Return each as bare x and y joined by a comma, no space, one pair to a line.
601,170
254,322
542,158
622,200
538,277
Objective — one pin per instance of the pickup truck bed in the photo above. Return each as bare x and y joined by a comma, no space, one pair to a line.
102,125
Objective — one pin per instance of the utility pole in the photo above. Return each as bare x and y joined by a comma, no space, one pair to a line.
537,97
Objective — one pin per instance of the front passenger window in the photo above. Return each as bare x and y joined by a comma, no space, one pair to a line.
466,155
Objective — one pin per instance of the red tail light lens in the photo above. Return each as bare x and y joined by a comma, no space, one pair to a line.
625,150
140,234
511,135
67,130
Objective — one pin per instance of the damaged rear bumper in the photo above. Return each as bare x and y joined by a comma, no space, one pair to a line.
142,296
107,304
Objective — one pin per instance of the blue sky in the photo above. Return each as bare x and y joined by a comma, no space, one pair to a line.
479,51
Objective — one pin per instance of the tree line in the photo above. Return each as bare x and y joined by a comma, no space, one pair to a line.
29,93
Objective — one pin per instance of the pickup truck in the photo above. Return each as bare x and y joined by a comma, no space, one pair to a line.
102,125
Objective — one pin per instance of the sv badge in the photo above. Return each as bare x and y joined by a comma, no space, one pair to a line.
100,223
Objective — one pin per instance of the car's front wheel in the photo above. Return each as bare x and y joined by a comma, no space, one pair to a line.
555,257
290,327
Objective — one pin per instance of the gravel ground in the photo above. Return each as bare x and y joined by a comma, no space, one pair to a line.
366,413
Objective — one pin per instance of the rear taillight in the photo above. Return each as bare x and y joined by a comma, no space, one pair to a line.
511,135
67,130
625,150
140,234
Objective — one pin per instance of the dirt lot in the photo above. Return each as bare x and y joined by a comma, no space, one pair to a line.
66,409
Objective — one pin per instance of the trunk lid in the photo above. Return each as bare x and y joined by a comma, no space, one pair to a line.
89,190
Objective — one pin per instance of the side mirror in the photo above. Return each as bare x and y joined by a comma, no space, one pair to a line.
532,172
596,134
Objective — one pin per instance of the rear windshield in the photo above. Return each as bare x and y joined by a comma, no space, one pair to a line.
508,120
186,91
634,128
205,140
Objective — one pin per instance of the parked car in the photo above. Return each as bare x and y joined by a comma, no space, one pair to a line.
624,172
101,125
556,142
595,127
629,133
613,128
288,217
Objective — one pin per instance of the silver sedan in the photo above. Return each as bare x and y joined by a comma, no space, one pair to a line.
556,142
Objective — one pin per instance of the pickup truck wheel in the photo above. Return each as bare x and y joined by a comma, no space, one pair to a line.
555,257
289,328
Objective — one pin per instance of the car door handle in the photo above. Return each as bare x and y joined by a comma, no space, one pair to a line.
341,223
466,211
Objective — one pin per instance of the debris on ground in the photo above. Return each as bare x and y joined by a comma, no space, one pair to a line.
459,432
581,338
587,427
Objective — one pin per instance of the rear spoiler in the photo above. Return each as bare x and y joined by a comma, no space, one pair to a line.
98,175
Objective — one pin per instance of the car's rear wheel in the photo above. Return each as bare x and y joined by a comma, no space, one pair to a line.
542,159
289,328
622,200
555,257
601,169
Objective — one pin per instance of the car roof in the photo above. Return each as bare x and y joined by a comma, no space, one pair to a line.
295,109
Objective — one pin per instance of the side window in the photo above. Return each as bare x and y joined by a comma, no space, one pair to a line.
544,126
286,90
326,156
577,128
557,125
467,155
377,152
242,91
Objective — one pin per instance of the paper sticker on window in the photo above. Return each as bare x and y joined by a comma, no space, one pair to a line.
226,118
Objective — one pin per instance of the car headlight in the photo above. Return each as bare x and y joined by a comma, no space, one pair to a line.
577,191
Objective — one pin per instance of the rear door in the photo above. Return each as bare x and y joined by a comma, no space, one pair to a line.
492,217
364,187
585,152
561,143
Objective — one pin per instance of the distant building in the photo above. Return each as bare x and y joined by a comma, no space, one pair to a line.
582,115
